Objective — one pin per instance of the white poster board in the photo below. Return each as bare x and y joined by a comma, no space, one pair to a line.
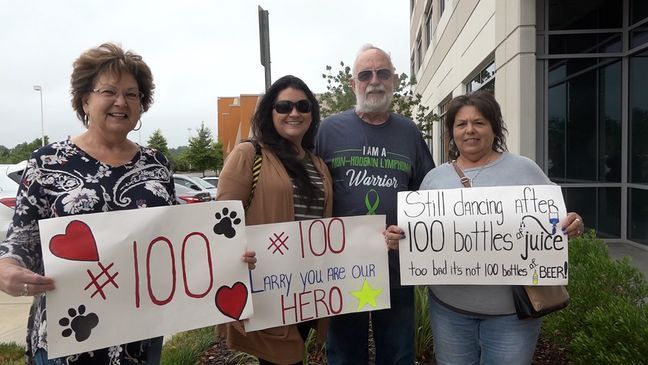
507,235
317,268
129,275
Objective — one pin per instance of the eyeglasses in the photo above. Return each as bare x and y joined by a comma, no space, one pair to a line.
111,94
286,106
383,74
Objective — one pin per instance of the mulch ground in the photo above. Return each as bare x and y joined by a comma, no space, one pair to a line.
547,353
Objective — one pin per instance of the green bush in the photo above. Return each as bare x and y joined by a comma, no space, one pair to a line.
185,348
607,318
12,354
423,337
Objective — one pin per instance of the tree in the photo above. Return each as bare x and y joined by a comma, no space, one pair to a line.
21,151
158,142
339,97
203,152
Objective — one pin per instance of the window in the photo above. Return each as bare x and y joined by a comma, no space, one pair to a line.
584,120
638,10
590,14
484,80
419,52
638,119
429,30
444,136
593,101
442,5
412,67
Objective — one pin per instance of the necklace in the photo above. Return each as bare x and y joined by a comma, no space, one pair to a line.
472,179
481,168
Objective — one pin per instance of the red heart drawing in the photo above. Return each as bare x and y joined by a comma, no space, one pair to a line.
77,243
231,301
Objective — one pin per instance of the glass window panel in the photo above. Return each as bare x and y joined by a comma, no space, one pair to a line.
557,123
638,10
557,71
419,52
580,133
638,215
585,121
639,36
585,43
489,86
484,76
609,136
561,69
638,114
599,207
585,14
428,25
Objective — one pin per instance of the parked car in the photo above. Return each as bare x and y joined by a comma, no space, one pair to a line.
195,183
212,180
10,176
185,195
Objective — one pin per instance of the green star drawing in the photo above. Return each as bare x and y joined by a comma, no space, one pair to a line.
366,295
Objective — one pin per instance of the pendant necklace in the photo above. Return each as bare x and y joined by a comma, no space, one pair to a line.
479,170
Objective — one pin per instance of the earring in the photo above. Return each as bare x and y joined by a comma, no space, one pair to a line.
139,125
85,120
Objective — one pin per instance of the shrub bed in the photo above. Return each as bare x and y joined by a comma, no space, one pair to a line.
606,321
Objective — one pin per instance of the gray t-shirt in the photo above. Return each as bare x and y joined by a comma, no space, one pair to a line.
370,164
507,170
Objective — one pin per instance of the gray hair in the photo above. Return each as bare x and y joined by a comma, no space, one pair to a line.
367,47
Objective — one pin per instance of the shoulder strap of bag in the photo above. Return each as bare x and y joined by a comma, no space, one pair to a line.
256,171
464,180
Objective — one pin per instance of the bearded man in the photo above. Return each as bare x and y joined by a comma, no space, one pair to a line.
401,159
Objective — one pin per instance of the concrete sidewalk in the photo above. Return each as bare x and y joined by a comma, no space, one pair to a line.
14,310
13,318
638,254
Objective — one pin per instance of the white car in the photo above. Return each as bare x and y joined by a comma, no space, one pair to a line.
212,180
10,176
195,183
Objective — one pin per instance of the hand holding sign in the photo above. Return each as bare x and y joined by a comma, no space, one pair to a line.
165,270
495,235
318,268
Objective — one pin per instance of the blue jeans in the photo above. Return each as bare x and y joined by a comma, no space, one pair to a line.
347,341
154,354
463,339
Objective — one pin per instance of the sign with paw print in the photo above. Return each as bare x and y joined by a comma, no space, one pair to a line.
317,268
129,275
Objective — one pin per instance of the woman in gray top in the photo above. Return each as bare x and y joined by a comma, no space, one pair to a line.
477,324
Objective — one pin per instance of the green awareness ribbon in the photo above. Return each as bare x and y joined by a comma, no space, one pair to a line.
371,208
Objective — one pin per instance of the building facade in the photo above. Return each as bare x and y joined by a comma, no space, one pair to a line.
570,77
234,117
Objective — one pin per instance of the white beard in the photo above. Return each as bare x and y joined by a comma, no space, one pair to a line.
375,103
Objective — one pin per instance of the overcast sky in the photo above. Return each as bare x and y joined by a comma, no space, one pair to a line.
198,50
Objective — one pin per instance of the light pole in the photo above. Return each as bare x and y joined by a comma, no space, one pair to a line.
40,91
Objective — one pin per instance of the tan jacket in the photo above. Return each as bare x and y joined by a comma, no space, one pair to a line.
272,203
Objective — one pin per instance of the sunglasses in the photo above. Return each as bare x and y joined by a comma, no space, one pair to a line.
383,74
286,106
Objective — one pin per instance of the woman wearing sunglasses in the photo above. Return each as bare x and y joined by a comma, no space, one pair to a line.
293,184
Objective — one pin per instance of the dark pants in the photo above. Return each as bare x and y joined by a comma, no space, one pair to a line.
347,342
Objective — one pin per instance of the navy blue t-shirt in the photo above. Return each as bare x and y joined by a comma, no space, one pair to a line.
370,164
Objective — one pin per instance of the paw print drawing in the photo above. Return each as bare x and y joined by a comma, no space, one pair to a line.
225,223
79,324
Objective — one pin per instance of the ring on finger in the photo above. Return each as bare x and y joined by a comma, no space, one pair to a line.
25,291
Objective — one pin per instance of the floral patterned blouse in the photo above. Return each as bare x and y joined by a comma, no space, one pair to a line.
60,180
